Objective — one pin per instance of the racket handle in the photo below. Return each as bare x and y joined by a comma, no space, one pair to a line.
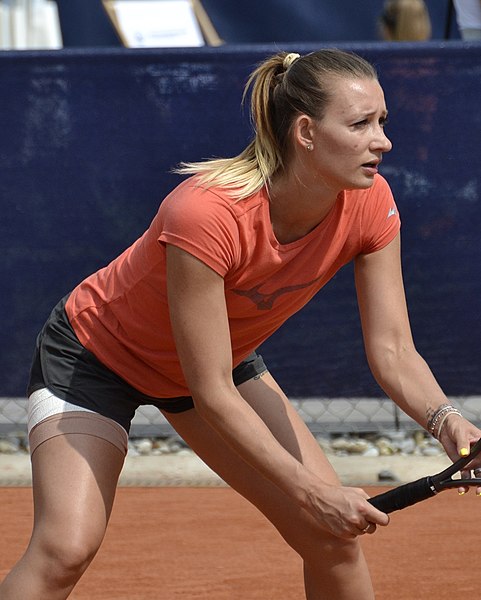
404,495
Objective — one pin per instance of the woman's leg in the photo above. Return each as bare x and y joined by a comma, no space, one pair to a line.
334,568
74,480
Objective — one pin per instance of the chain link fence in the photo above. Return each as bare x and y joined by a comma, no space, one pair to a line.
323,416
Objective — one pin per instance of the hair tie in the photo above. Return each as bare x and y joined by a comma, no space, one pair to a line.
289,59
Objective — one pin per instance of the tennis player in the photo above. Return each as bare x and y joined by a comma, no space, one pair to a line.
237,248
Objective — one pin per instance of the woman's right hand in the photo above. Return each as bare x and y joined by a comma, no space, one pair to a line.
345,511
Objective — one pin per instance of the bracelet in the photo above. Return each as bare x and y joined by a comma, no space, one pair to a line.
439,416
431,423
441,423
442,411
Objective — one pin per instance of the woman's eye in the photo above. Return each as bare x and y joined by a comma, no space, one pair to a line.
361,124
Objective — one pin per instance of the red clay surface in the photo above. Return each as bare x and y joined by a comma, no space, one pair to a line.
210,544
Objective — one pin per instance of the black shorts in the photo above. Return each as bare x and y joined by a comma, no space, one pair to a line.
61,364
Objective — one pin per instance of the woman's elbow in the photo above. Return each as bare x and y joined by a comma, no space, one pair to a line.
209,400
387,356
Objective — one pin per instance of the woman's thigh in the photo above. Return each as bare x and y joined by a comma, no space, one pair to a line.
271,404
268,400
74,479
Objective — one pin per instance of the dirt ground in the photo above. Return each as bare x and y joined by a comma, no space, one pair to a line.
167,543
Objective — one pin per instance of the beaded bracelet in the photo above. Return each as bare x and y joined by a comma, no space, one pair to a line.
432,421
437,434
439,416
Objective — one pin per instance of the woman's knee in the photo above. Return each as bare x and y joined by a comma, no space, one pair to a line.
315,545
65,557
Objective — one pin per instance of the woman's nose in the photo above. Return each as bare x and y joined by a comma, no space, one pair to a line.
382,142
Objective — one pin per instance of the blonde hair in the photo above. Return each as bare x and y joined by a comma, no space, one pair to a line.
282,87
405,20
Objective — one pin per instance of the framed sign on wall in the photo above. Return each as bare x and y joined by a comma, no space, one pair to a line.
161,23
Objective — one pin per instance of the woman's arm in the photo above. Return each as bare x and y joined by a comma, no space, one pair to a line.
201,330
398,368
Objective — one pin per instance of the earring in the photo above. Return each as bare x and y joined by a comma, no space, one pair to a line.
309,147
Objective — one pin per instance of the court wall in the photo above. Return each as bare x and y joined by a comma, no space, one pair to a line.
88,140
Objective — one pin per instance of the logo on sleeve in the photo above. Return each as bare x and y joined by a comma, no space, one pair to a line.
392,212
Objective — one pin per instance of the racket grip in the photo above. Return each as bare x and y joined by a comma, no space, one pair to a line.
404,495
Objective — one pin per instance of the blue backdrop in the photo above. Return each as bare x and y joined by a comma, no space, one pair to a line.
87,142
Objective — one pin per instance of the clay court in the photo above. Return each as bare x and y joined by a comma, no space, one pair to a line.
166,543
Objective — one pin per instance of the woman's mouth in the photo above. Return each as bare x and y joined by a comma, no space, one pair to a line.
371,168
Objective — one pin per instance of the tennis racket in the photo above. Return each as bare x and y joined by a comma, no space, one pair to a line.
426,487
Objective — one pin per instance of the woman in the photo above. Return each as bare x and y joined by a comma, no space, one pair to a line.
176,319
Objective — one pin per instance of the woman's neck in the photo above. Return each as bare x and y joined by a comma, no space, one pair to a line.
297,209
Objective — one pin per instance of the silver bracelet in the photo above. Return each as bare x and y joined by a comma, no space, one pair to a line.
437,433
440,412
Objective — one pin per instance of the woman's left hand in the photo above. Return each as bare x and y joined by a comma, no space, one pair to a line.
457,436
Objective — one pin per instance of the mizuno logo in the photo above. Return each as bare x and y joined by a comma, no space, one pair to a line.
392,212
265,301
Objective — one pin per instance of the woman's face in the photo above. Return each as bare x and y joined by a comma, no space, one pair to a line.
349,141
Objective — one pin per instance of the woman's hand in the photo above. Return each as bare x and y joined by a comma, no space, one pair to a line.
457,436
345,511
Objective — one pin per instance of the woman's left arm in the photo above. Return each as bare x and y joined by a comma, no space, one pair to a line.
394,361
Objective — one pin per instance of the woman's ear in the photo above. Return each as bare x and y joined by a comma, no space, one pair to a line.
303,131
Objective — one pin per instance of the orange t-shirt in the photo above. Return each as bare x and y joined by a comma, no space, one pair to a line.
120,313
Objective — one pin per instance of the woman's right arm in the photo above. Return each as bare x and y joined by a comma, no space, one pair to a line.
201,329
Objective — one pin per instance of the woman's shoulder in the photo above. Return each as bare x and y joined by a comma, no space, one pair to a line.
196,193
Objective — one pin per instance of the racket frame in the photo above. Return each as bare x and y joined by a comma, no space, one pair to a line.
426,487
